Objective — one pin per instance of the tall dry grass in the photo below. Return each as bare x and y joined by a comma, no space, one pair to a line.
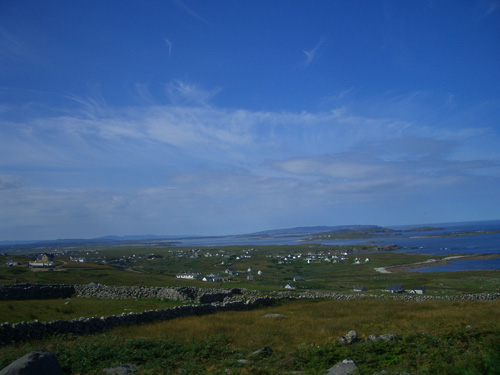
307,322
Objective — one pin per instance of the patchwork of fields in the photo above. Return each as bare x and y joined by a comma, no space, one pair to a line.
433,336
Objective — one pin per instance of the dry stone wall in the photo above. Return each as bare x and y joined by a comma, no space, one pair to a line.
10,333
37,291
404,297
211,301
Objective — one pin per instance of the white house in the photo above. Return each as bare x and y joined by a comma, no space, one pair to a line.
212,277
418,290
395,289
187,275
43,260
360,289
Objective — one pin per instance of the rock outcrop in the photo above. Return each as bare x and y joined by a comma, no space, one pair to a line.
34,363
346,367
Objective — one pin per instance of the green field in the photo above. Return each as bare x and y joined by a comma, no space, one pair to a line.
320,275
47,310
435,337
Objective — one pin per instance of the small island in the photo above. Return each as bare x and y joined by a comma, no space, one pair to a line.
459,234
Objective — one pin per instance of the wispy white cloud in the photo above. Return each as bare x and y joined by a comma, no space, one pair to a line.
328,167
169,46
492,7
184,92
199,131
314,53
182,5
12,47
8,182
137,166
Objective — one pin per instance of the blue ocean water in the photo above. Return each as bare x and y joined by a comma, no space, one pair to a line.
410,242
463,265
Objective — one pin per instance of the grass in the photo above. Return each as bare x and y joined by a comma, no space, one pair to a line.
433,334
71,308
322,320
433,339
320,275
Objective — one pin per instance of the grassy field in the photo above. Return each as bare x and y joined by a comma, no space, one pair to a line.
47,310
434,338
136,269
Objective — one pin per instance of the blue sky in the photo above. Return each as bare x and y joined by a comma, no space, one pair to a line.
224,117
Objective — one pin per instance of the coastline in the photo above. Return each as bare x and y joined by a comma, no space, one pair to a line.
433,262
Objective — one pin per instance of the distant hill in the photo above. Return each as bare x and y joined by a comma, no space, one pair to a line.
317,230
339,231
89,241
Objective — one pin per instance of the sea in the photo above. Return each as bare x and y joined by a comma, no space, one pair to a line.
422,242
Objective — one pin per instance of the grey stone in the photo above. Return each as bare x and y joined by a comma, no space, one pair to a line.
266,350
274,316
244,361
388,337
346,367
342,340
34,363
351,337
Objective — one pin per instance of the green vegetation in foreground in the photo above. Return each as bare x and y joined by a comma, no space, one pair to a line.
459,234
46,310
433,339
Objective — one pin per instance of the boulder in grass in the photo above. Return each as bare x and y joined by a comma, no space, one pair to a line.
388,337
265,351
348,339
34,363
351,337
385,337
346,367
274,316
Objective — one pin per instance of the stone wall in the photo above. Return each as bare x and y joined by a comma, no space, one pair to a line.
199,295
11,333
35,291
212,301
404,296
